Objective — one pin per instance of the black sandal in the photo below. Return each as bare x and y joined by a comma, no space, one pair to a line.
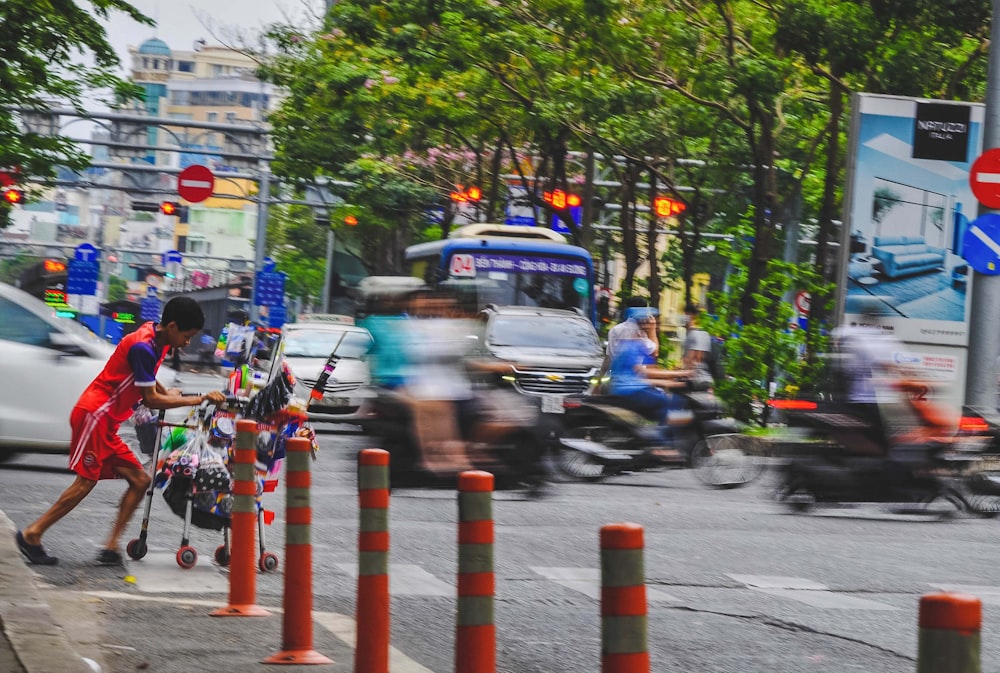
110,557
34,553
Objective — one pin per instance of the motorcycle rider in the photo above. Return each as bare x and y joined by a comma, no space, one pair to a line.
895,421
639,384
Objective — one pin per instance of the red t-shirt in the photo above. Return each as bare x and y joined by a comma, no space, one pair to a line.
116,390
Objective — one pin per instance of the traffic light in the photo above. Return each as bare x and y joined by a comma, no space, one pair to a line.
145,207
351,221
665,207
13,196
53,266
462,195
170,208
561,200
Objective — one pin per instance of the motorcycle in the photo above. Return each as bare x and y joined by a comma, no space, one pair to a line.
497,427
937,476
600,437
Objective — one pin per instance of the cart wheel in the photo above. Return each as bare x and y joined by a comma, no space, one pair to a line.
222,555
268,562
136,549
187,557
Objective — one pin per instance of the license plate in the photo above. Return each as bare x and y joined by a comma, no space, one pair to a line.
552,404
336,402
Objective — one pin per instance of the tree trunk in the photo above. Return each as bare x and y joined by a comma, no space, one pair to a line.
652,238
630,246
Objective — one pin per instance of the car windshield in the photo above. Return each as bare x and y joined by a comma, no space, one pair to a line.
319,343
559,332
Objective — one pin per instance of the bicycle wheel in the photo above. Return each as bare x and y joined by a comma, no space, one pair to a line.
728,460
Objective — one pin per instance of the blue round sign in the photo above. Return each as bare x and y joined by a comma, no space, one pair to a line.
981,244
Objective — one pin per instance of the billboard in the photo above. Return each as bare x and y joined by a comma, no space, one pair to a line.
907,206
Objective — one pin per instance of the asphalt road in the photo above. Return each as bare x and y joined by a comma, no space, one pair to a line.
734,582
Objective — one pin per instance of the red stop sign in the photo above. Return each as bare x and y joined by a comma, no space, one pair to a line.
195,183
984,178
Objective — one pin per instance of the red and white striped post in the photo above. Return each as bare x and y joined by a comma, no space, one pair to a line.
475,635
296,621
624,646
371,651
949,640
243,526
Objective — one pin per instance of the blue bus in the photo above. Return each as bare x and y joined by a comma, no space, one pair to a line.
509,265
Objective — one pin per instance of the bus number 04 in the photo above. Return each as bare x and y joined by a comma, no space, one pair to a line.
463,265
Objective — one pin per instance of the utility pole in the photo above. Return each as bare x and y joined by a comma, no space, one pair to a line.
984,323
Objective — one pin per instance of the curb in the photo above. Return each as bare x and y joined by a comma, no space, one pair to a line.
39,644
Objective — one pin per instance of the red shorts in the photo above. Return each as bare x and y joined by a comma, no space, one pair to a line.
96,449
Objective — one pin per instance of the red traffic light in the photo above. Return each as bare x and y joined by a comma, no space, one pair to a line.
461,195
54,266
351,221
169,207
13,196
560,200
665,207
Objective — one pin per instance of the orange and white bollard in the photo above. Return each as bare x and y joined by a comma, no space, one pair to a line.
475,635
296,622
371,651
949,640
624,646
243,526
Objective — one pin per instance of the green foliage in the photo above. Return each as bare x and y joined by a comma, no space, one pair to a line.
117,288
12,268
40,62
762,351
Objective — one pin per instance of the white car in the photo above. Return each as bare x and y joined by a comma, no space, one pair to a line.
46,362
306,347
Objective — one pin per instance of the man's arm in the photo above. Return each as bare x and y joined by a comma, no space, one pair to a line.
158,397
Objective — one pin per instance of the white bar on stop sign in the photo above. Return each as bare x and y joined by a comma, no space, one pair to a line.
988,178
206,185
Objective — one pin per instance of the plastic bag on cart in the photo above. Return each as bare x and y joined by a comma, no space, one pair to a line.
212,473
184,461
177,492
272,398
144,421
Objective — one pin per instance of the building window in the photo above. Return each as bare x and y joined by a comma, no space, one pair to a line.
231,117
212,116
185,66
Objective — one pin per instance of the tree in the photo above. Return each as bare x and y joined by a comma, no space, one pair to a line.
39,63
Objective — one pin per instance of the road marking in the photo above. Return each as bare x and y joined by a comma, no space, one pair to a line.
408,580
588,581
158,573
807,591
987,594
341,626
345,628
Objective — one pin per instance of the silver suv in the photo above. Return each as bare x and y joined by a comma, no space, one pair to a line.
553,352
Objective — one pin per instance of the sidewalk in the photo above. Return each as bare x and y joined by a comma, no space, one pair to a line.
52,630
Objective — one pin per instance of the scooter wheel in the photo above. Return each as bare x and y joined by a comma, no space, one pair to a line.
268,562
136,549
728,460
222,555
187,557
579,465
